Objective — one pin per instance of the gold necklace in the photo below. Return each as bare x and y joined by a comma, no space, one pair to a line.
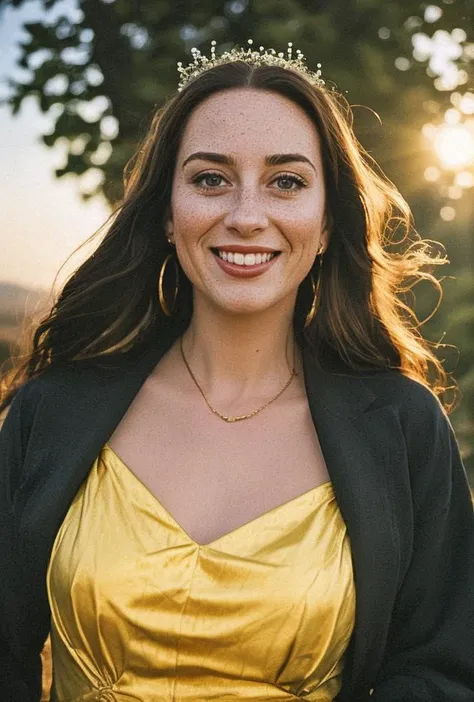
242,416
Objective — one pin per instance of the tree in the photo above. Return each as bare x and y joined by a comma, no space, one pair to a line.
103,75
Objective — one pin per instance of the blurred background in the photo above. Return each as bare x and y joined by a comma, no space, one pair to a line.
79,80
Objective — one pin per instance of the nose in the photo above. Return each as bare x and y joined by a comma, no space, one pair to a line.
248,213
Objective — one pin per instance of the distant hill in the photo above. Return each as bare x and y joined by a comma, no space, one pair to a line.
16,302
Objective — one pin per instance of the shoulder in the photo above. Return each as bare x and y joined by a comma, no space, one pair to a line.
425,426
57,379
34,388
431,447
424,422
415,403
48,391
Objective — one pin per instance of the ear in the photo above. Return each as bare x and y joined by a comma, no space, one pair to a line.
168,224
328,223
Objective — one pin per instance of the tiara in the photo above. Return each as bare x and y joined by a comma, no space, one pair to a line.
267,57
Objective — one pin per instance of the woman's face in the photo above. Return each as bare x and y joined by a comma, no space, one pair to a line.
248,174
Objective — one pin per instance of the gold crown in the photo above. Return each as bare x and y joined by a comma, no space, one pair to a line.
267,57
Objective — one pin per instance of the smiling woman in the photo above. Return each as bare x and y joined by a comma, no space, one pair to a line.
256,196
225,472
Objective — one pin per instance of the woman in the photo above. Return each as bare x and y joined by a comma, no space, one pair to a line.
240,484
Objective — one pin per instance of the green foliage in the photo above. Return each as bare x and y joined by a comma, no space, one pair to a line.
127,52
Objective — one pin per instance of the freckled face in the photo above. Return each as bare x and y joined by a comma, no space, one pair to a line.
250,200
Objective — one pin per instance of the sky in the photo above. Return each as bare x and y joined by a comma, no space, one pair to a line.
42,218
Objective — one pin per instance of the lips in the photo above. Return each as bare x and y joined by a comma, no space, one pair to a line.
239,248
248,259
246,266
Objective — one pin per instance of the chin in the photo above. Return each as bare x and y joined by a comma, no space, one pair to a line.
244,307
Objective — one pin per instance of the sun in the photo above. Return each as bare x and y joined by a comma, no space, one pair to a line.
454,146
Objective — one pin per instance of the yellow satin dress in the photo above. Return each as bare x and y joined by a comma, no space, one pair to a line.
141,612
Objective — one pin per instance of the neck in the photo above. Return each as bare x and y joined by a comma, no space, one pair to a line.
241,360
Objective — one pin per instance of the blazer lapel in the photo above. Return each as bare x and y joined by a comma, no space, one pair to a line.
360,446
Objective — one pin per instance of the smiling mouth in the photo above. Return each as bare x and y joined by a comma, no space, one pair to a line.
245,260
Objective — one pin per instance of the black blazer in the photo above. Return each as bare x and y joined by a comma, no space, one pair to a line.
398,479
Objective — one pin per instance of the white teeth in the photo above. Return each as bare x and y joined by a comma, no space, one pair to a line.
240,259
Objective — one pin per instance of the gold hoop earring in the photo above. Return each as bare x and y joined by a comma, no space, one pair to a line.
316,294
161,295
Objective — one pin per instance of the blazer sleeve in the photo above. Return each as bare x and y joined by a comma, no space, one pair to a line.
430,651
20,668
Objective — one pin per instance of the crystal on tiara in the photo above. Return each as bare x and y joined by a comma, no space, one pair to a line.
262,57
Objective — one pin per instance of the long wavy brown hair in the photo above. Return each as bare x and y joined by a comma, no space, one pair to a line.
109,306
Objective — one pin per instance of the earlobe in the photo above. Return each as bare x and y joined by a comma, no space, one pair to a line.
168,226
327,229
168,219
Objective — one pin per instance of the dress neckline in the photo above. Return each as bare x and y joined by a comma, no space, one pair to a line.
323,488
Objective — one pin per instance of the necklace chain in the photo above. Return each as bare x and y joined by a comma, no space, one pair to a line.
242,416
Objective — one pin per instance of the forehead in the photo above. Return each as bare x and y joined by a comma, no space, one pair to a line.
243,120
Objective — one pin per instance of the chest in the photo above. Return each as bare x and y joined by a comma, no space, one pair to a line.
213,476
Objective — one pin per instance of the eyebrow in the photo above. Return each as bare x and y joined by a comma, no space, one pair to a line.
273,160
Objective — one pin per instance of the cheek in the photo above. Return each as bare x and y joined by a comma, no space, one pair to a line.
303,226
306,210
193,214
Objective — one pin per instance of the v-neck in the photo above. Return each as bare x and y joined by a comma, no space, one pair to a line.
323,488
